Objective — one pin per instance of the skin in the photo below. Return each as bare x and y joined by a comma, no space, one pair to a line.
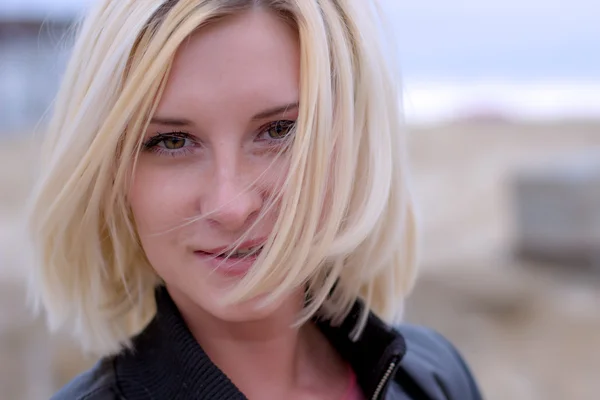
221,164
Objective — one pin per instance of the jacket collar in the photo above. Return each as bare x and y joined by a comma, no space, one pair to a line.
168,362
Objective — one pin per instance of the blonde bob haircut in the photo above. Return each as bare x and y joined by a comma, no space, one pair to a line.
346,225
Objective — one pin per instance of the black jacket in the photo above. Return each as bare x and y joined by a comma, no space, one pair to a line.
168,364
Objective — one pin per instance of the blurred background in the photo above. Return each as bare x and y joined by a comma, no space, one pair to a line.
503,103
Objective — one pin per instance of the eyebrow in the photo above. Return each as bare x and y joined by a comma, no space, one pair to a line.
171,121
276,110
261,115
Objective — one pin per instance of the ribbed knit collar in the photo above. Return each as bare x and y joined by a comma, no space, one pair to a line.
167,363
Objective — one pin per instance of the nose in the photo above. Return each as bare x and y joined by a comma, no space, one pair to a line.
233,203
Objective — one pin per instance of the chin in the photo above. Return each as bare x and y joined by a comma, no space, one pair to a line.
202,300
248,311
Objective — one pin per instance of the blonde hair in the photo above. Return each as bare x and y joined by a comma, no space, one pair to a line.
346,226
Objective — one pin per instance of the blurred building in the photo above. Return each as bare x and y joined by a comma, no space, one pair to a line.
35,38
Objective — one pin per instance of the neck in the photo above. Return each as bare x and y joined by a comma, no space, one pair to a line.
268,357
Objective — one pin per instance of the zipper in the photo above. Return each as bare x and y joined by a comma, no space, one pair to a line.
384,379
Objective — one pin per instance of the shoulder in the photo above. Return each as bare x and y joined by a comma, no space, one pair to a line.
98,383
432,366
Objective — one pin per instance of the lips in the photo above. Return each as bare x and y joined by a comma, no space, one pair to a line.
233,264
238,253
250,248
237,263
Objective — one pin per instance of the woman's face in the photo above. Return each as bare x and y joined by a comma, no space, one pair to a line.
213,149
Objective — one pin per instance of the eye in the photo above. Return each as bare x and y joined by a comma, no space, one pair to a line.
279,129
173,142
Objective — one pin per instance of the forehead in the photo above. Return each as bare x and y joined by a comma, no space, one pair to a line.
250,59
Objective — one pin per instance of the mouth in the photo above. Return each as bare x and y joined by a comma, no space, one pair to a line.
239,253
245,250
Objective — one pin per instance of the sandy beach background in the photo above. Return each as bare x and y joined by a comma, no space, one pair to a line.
529,330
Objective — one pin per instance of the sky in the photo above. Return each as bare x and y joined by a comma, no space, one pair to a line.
468,39
538,57
527,39
41,7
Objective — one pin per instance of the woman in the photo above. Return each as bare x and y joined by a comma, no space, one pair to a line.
223,211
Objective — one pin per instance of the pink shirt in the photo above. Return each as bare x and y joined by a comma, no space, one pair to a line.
353,391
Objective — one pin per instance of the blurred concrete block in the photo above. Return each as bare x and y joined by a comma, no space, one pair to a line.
25,350
558,212
33,364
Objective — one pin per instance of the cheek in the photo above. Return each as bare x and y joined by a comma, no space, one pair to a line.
274,176
159,199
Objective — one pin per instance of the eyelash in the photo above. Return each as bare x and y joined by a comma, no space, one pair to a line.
152,144
289,124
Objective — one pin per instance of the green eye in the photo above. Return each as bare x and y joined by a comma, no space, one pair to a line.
173,143
280,129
